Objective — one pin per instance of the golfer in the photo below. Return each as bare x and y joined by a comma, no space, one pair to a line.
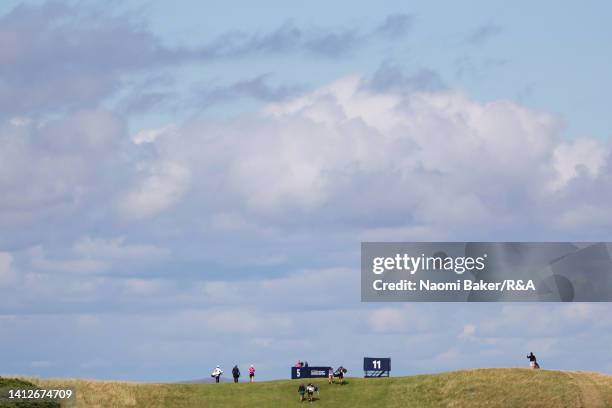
251,373
236,373
310,389
217,373
533,362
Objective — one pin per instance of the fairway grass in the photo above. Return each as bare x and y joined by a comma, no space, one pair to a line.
469,388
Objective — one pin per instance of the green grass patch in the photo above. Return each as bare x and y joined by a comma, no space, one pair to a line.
481,388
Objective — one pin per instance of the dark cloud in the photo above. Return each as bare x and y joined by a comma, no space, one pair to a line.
288,38
333,44
59,55
392,78
483,33
396,25
257,88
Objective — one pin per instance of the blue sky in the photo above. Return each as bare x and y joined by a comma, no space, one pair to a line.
187,185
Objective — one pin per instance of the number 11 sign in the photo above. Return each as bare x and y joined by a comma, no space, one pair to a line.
376,366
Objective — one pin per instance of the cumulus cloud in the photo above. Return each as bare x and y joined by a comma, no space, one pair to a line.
585,155
162,185
416,151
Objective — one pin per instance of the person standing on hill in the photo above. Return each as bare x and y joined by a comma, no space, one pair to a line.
251,373
236,373
310,389
533,362
216,374
340,374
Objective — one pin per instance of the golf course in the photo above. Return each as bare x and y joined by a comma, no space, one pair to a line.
489,388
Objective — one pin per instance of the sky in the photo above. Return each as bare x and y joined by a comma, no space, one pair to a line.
185,185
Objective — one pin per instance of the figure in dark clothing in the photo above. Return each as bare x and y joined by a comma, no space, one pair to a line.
301,391
306,364
236,373
340,371
533,362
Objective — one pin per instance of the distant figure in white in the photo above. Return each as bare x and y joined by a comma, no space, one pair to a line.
251,373
217,373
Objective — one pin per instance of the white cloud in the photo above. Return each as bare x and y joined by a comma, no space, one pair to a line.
162,187
588,155
394,161
151,135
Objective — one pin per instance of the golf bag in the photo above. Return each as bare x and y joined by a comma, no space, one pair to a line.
340,372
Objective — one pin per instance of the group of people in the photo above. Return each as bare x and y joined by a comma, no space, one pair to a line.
340,371
218,372
308,391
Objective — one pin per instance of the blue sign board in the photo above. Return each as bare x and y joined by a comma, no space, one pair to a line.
376,364
309,372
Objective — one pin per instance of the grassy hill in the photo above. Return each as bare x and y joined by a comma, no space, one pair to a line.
471,388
